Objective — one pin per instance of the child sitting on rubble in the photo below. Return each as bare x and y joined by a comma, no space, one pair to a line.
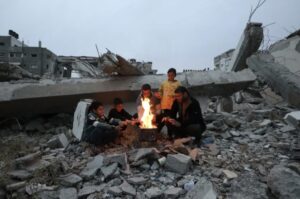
118,112
99,129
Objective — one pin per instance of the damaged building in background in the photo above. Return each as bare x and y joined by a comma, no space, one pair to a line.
41,62
115,64
36,60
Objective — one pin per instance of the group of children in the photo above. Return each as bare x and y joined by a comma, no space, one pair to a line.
172,106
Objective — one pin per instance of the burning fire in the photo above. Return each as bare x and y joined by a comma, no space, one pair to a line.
147,117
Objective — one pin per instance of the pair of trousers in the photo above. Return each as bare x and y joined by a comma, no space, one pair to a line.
193,130
100,135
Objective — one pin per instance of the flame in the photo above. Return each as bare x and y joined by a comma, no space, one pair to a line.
147,117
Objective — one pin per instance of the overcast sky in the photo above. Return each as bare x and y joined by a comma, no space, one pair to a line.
185,34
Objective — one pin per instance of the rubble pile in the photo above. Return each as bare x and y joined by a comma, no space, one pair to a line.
243,154
14,72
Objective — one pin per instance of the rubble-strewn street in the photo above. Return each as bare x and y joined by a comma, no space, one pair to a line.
244,154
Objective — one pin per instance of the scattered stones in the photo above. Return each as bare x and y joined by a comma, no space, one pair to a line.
179,163
284,182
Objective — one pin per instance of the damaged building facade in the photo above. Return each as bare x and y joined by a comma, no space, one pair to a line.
36,60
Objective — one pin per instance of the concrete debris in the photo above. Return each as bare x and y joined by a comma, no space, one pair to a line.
128,189
58,141
80,117
277,76
153,192
115,191
203,189
229,174
173,192
137,180
68,193
284,182
10,72
248,44
108,171
121,159
293,118
20,174
15,186
92,167
88,190
248,186
70,180
62,96
179,163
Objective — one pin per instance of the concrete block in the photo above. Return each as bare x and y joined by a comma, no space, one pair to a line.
58,141
293,118
80,117
178,163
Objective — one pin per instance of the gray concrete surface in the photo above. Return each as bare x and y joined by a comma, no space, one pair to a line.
47,96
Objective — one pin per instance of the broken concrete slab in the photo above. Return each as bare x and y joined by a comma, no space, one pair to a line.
287,53
20,174
153,192
92,167
151,153
248,44
293,118
10,72
15,186
173,192
121,159
28,159
179,163
230,174
277,77
58,141
115,191
284,182
108,171
128,189
80,115
68,193
248,186
203,189
70,180
63,96
87,190
137,180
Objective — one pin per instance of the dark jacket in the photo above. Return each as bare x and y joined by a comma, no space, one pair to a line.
123,115
193,114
